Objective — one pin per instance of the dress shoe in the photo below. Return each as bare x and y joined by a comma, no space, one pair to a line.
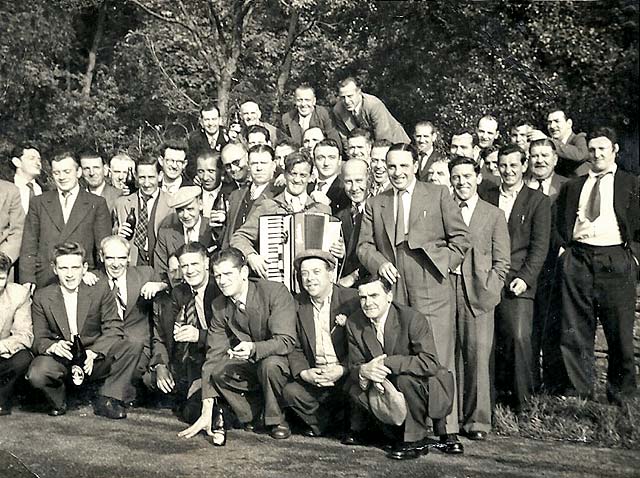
476,435
249,427
5,409
310,432
109,408
404,451
58,411
280,432
450,444
353,439
219,434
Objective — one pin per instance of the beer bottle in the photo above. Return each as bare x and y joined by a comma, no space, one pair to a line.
79,357
130,181
131,220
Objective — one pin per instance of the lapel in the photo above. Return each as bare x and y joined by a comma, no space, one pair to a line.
305,313
369,338
84,300
391,328
54,209
253,310
205,234
419,199
478,218
80,209
294,126
133,289
573,198
160,210
209,295
519,205
386,211
59,312
619,196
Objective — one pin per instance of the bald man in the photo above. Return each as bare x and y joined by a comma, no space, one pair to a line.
250,115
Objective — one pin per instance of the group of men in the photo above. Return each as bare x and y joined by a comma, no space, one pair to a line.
459,280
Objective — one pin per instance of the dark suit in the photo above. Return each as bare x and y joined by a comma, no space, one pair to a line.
100,330
529,231
199,143
171,238
336,193
572,156
351,233
240,205
422,171
269,322
599,282
89,223
320,118
436,242
413,361
373,116
476,293
110,194
159,212
308,400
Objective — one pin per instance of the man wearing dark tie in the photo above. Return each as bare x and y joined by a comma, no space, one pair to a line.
528,214
412,236
307,114
210,138
28,163
328,188
597,227
66,214
235,161
63,310
425,136
378,167
477,286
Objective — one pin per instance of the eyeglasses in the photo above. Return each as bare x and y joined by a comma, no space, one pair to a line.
174,161
235,163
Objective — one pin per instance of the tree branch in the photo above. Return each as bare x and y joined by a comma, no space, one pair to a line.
159,16
214,19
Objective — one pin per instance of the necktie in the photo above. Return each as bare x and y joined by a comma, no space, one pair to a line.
537,184
140,234
122,307
296,204
592,212
31,192
463,204
355,210
190,317
379,331
320,185
241,306
399,238
253,192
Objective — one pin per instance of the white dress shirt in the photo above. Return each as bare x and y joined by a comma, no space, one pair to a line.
25,191
71,307
99,190
406,204
200,307
67,203
297,203
325,352
172,188
304,121
508,199
327,183
604,230
209,199
192,234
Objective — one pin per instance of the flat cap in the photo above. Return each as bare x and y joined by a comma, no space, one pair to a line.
317,254
184,196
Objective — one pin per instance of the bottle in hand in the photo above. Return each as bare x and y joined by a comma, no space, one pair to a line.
77,363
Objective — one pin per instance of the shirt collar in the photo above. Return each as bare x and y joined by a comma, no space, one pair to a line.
72,193
288,197
471,202
201,290
152,197
99,191
409,188
243,296
327,300
383,319
19,180
120,280
612,170
195,227
215,191
512,193
65,292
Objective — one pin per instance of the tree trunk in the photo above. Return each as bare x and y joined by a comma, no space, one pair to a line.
285,67
93,53
224,90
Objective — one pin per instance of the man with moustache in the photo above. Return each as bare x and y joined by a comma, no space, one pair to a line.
528,214
241,201
328,188
66,214
359,144
174,162
477,285
251,333
355,176
150,208
546,317
425,136
26,159
306,115
94,173
235,162
318,362
378,167
412,236
68,308
211,137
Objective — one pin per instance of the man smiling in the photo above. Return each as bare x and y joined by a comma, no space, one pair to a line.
329,187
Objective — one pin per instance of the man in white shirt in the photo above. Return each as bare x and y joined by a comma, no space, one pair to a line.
28,164
329,187
359,143
425,136
487,131
211,137
69,308
174,162
379,175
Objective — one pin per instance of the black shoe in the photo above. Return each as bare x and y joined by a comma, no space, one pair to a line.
219,436
58,411
476,435
404,451
450,444
310,432
5,409
353,438
109,408
281,431
249,427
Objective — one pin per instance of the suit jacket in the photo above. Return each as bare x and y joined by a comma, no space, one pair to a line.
269,322
350,233
164,318
16,329
111,194
11,220
137,315
626,204
89,223
529,230
199,143
374,116
303,357
435,226
246,238
171,238
422,171
556,184
159,212
235,202
486,263
99,325
336,193
572,156
320,118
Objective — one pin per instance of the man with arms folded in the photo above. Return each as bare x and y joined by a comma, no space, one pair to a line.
251,333
16,334
477,285
388,341
69,308
319,361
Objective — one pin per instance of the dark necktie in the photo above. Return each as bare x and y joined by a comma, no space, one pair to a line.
592,212
463,204
399,239
537,183
320,185
140,234
122,307
31,192
355,210
190,317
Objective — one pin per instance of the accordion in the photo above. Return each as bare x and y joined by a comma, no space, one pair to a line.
283,236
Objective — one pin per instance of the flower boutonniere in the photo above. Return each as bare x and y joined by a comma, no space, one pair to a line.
341,320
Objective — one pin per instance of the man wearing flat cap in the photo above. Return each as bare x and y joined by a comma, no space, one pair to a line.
185,225
318,362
